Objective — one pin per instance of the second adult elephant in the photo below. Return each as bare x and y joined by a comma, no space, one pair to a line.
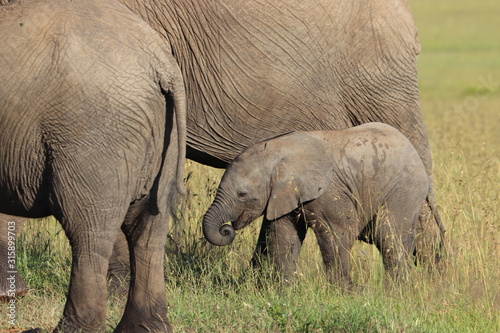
256,69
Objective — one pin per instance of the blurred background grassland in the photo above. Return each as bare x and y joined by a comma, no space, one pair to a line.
211,289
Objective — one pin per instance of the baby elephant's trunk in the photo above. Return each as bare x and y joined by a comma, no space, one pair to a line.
214,229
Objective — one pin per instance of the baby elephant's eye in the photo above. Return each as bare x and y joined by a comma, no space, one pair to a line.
242,194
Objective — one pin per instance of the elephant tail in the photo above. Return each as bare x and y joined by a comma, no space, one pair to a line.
435,213
180,118
173,82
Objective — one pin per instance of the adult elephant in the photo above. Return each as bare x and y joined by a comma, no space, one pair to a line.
93,131
255,69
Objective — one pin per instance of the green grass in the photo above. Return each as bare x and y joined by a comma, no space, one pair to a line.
460,47
211,289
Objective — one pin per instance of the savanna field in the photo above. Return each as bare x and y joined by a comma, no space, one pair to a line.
212,289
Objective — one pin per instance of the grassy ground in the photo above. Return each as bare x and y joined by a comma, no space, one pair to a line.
211,289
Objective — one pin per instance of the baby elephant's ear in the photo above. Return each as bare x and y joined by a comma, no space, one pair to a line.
297,179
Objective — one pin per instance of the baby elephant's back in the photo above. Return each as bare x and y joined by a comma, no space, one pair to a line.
378,156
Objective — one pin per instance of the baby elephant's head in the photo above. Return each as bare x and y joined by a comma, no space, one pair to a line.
273,176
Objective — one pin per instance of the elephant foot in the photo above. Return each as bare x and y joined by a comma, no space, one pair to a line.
138,319
133,325
85,325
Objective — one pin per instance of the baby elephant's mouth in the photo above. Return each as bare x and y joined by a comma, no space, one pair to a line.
242,221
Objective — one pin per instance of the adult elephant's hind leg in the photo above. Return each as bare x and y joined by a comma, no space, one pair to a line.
91,224
146,309
85,309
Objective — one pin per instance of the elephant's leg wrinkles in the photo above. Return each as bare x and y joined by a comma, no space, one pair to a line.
85,307
91,218
145,227
146,290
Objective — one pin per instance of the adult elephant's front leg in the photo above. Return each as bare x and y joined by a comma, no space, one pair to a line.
281,241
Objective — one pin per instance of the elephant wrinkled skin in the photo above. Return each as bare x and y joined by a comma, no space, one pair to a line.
367,182
92,131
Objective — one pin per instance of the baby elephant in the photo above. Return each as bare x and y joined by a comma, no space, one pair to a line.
366,182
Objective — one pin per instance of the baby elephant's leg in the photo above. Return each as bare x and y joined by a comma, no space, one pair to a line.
335,241
284,241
